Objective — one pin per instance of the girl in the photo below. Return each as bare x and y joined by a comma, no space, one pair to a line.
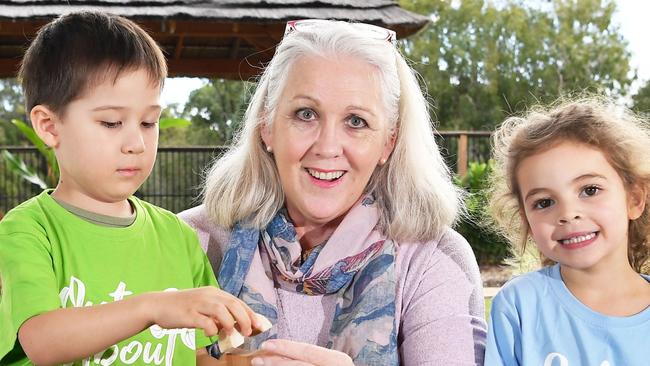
575,180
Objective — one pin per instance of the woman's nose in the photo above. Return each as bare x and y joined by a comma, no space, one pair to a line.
328,143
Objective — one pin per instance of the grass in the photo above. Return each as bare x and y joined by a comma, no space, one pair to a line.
488,306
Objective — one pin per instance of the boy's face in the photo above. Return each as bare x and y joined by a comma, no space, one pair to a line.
106,140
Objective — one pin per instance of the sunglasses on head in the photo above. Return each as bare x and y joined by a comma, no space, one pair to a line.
369,30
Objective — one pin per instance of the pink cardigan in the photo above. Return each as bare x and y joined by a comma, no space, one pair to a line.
439,305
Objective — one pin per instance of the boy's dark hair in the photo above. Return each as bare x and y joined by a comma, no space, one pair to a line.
79,50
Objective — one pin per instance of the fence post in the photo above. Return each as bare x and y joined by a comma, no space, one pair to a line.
461,162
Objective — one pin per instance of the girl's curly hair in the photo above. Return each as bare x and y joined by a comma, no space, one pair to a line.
622,136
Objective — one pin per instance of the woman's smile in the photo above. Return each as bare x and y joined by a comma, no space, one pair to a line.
328,136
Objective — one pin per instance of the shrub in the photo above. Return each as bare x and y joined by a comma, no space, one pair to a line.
489,247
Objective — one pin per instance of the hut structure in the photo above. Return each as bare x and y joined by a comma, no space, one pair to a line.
205,38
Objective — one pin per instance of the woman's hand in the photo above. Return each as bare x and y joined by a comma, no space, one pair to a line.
288,353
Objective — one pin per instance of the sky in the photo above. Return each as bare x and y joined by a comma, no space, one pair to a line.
631,17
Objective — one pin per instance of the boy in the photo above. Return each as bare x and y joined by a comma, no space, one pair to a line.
89,273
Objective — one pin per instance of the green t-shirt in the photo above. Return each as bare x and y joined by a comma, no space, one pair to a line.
50,258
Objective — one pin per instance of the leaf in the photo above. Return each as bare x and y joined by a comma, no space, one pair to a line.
166,123
22,170
46,151
31,135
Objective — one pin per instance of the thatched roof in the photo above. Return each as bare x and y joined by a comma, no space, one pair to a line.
218,38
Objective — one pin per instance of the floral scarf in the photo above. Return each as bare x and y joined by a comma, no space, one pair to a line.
357,263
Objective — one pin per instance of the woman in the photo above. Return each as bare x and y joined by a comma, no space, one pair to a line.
331,213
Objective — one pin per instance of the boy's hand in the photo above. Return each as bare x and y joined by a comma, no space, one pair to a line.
228,342
207,308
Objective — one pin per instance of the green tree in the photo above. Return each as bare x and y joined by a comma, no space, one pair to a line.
12,107
482,61
173,136
641,100
216,110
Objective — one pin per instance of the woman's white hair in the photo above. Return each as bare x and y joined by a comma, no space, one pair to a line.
414,191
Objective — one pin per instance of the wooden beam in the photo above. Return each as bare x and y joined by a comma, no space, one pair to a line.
262,36
234,50
212,29
214,68
263,44
9,67
194,27
179,47
461,159
26,28
165,27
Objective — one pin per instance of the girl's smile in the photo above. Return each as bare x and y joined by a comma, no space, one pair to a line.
576,206
578,240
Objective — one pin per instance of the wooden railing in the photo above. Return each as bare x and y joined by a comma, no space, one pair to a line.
469,146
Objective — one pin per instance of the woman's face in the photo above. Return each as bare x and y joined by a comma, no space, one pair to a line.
329,132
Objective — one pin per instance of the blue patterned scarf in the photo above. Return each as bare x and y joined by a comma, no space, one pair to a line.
357,263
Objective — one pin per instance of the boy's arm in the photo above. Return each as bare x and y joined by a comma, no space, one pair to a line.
202,274
69,334
66,335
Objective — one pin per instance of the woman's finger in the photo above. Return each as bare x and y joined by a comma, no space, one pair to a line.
307,353
277,361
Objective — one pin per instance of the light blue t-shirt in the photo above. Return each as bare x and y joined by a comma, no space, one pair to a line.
535,320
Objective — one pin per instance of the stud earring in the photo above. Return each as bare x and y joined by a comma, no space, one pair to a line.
382,161
269,148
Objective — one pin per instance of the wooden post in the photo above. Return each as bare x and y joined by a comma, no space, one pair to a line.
461,162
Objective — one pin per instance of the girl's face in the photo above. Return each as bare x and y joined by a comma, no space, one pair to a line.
577,207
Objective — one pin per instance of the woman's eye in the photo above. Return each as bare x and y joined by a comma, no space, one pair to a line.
306,114
110,124
543,203
590,191
357,122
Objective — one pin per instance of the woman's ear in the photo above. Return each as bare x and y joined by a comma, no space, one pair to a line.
636,199
389,146
45,123
266,133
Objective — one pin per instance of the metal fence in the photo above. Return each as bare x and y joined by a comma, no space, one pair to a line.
176,180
